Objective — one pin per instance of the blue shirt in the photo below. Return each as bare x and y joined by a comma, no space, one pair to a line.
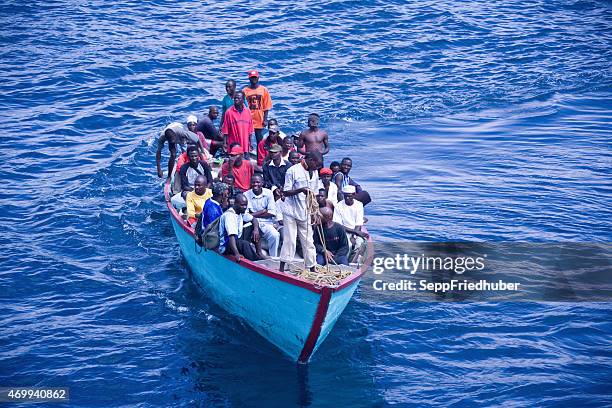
211,211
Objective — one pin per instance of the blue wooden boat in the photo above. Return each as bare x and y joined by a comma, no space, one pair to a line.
294,314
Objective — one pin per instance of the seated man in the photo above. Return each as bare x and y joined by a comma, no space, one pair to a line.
237,166
214,207
274,171
323,201
325,174
263,147
294,158
195,199
188,174
263,208
271,122
232,190
288,146
349,213
231,226
342,179
336,248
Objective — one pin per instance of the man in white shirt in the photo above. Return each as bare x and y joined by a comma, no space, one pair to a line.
262,207
349,213
300,180
231,226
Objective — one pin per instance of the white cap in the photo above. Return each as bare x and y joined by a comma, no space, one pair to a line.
192,119
348,189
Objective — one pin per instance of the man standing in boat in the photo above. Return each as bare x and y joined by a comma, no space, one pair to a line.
238,124
259,102
313,138
301,179
206,125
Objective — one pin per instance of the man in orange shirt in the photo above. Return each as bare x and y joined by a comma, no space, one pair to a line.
259,101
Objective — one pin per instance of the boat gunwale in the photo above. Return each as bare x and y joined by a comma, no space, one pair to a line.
272,273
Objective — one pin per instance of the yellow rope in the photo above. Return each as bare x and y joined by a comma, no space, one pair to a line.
328,275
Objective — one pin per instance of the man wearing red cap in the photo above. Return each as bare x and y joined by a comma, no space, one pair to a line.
237,166
260,103
238,124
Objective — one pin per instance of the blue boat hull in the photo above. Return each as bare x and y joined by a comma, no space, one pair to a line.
293,314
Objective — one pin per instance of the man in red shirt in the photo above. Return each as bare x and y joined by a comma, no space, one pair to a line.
238,124
239,167
260,103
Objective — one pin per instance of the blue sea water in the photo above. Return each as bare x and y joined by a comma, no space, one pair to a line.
486,121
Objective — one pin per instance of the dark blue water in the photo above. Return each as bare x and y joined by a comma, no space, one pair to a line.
480,120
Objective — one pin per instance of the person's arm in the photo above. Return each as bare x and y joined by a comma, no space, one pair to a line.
208,173
267,105
160,146
338,182
191,213
267,177
325,143
255,230
357,231
184,180
289,184
300,146
268,212
234,248
230,167
317,240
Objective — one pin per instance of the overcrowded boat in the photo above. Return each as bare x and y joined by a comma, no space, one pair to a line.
240,212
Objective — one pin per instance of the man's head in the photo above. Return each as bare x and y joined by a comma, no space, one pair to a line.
192,121
335,167
230,87
349,194
273,132
327,215
294,157
253,77
257,184
287,143
220,193
314,160
192,154
238,100
229,180
237,154
213,112
325,174
345,165
199,185
240,203
313,120
322,197
272,122
275,152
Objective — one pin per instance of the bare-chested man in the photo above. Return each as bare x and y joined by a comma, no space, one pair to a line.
313,138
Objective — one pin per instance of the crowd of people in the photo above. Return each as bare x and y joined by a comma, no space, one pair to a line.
266,204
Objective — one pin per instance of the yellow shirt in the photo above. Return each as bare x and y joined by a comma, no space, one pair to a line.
195,202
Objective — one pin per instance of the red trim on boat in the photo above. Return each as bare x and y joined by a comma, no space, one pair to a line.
317,323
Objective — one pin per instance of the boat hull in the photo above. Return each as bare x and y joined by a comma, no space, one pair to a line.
293,314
